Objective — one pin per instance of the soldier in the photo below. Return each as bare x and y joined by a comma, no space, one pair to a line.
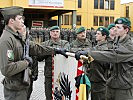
12,63
81,42
98,70
56,42
110,39
120,84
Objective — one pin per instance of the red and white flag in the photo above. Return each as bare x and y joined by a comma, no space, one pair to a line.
64,71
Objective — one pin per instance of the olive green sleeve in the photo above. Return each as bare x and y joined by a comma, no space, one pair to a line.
38,50
122,54
10,67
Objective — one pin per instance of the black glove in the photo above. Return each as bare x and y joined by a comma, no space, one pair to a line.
61,51
29,59
79,53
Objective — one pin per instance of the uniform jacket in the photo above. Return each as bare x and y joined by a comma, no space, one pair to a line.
122,57
77,45
12,64
97,70
48,59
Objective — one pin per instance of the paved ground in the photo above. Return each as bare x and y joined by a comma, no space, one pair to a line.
38,88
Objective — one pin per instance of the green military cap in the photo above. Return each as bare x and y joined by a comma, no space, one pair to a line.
13,10
54,28
103,30
81,29
111,25
124,21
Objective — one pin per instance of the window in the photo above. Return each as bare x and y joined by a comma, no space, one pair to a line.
78,20
95,4
101,4
101,20
66,20
106,4
79,3
95,20
106,21
127,11
112,4
111,19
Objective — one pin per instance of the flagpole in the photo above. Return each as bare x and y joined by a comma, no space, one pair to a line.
73,55
83,57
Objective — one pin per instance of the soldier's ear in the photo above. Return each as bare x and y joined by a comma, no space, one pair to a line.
11,20
127,30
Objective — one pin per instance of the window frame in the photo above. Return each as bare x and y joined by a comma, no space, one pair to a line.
78,22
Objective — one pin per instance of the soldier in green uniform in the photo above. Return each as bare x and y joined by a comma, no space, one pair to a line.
81,42
56,42
120,84
98,70
12,62
110,39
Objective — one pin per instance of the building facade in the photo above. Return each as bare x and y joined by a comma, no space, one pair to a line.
94,13
70,13
38,13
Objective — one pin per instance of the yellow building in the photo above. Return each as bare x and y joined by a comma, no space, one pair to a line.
94,13
127,11
70,13
38,13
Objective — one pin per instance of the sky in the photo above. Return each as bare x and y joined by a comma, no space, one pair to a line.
126,1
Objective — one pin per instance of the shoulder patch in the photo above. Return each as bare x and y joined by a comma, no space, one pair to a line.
10,54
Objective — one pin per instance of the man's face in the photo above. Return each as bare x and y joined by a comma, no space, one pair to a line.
99,36
112,32
22,31
55,34
120,30
81,35
18,22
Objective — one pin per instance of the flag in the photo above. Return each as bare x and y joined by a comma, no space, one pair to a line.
84,87
64,71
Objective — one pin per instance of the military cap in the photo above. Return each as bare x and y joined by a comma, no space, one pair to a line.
81,29
54,28
13,10
103,30
124,21
111,25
